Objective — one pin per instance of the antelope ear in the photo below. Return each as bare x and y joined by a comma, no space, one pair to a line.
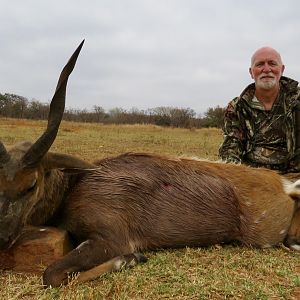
68,163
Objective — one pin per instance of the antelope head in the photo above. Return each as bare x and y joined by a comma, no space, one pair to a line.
23,167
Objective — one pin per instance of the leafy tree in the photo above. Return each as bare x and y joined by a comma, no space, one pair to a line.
214,117
13,106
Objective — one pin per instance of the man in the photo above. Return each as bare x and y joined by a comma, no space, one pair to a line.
260,126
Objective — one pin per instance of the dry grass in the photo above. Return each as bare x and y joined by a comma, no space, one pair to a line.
217,272
93,141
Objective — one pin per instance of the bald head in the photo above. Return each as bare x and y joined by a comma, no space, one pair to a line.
266,52
266,69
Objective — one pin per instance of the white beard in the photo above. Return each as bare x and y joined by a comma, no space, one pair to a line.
266,85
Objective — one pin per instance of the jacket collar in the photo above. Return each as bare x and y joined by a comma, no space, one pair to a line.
287,85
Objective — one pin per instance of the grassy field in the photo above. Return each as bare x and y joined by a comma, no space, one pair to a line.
217,272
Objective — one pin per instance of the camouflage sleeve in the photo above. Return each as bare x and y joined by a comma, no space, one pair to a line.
232,148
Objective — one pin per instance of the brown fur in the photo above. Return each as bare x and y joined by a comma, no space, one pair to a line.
135,202
139,201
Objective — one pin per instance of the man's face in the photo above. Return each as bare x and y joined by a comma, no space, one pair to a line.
266,68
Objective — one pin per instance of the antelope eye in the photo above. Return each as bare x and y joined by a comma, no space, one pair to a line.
31,188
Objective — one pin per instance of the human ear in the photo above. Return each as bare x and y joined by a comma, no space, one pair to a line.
250,71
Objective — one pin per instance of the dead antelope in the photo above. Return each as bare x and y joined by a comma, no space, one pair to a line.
120,206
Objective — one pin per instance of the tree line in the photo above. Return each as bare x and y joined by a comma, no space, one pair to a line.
15,106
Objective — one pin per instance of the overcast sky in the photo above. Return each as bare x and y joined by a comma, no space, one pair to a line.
143,53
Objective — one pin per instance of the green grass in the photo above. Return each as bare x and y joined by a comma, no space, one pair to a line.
217,272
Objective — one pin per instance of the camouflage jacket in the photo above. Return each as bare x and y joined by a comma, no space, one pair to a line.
262,138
